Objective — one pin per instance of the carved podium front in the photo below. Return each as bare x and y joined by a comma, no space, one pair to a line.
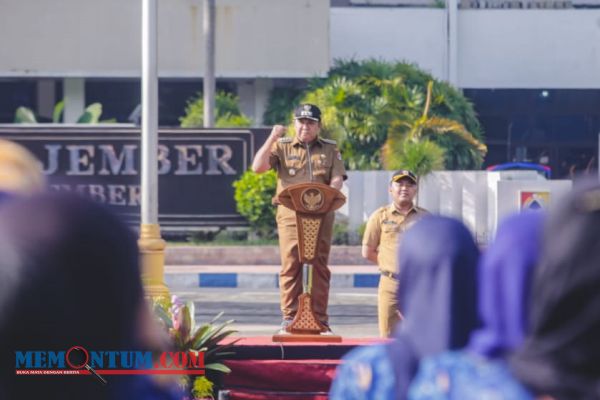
310,201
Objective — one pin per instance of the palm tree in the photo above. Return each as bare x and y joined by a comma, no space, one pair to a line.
368,103
419,142
355,113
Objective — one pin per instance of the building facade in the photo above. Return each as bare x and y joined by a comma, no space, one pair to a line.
531,67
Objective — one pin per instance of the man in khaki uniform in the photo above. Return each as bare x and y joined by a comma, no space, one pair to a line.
380,243
304,158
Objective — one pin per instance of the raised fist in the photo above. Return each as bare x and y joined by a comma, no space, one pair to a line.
278,131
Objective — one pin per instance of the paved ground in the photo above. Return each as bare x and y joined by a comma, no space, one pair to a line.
353,311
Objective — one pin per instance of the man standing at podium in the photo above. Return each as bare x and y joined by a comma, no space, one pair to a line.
306,157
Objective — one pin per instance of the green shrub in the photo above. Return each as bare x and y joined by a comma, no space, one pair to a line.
280,106
340,232
361,230
253,194
203,236
91,115
231,235
25,115
364,101
178,320
202,388
227,112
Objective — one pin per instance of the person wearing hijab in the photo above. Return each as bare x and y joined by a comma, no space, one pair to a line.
560,357
69,276
438,289
505,276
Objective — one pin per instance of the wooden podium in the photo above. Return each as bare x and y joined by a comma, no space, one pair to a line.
310,201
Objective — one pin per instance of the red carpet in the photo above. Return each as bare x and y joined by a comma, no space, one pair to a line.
282,375
270,395
266,370
263,348
267,340
251,395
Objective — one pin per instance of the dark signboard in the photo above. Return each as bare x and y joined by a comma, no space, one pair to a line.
196,167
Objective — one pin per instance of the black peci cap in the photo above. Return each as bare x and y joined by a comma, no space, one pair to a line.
404,173
308,111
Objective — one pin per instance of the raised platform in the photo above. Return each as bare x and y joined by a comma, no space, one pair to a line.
245,394
301,338
298,376
262,369
263,348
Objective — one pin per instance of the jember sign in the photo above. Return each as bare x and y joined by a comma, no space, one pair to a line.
196,169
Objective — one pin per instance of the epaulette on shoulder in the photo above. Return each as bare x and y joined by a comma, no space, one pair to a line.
286,139
330,141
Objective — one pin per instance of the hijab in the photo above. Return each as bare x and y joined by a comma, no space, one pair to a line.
438,291
75,268
561,356
505,278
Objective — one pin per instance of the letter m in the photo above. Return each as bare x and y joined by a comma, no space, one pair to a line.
196,359
122,164
23,359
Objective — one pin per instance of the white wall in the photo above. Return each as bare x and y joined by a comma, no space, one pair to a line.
91,38
496,48
479,198
510,48
253,98
416,35
529,48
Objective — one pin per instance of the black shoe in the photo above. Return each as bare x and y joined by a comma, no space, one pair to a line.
328,330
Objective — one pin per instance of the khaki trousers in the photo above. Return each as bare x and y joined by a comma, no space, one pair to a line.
290,276
387,305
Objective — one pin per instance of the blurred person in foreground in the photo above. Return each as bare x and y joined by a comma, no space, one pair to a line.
380,244
560,358
505,278
438,291
20,172
69,276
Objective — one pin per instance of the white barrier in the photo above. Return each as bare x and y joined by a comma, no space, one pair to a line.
478,198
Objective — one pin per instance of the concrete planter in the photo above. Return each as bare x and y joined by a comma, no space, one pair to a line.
249,255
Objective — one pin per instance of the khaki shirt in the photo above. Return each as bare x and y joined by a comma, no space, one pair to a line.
297,163
384,230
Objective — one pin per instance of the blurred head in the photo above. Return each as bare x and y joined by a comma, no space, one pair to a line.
20,171
437,294
505,278
403,188
560,356
74,280
307,122
438,285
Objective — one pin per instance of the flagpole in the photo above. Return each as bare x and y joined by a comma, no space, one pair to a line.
151,244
